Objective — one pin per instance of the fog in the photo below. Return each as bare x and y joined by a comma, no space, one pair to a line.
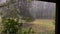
34,9
40,9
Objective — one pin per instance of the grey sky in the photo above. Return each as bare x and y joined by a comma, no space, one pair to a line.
2,1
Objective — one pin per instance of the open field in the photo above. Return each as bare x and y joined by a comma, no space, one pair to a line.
43,26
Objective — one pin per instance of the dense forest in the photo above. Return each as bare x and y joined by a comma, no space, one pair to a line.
42,10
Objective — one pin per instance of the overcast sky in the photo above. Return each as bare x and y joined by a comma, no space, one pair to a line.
2,1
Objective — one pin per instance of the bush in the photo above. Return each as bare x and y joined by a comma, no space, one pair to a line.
13,27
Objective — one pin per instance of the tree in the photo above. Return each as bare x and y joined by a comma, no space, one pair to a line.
11,26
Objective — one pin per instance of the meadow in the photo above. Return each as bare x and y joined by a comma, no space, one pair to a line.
43,26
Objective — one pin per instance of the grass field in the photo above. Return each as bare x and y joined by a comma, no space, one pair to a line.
44,26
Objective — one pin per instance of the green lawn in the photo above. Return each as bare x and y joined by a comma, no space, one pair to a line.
44,26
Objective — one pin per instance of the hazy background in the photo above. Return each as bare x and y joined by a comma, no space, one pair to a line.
41,9
37,9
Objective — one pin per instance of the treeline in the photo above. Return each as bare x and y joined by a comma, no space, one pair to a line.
42,10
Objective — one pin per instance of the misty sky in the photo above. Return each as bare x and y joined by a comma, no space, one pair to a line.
2,1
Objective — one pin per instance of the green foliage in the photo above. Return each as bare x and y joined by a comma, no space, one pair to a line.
29,0
30,31
27,31
11,26
28,19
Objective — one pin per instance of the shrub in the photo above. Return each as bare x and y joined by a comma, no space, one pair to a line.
13,27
